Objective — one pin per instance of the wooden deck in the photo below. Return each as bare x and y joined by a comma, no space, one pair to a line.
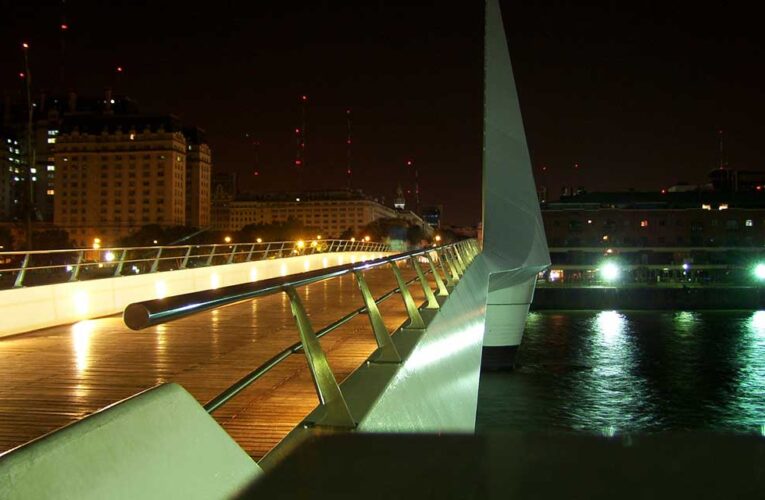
55,376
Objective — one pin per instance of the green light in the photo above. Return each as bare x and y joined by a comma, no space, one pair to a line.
610,271
759,271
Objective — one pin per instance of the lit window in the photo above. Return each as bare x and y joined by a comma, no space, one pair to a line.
706,206
51,168
51,140
50,192
52,133
749,223
644,223
132,137
723,206
33,170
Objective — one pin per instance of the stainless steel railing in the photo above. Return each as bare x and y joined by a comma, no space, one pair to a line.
447,263
19,269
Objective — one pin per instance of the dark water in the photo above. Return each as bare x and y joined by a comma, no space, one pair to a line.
609,372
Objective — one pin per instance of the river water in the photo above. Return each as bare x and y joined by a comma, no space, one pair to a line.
608,372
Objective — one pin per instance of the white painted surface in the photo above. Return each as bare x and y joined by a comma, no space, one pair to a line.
158,444
436,389
27,309
514,241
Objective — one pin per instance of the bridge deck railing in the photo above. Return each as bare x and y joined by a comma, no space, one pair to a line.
446,263
44,267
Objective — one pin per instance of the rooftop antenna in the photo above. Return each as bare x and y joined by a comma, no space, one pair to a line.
63,29
300,133
348,169
722,149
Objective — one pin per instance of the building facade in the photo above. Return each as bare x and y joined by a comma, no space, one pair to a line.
117,174
657,220
330,213
198,179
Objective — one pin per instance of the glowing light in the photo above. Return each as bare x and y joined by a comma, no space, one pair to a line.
609,271
227,239
109,256
81,303
300,244
610,325
64,27
214,281
81,333
259,240
723,206
119,69
324,262
305,97
306,265
685,266
367,238
24,45
160,287
759,271
609,250
353,239
438,237
757,323
605,237
556,274
155,242
21,75
318,236
253,274
283,270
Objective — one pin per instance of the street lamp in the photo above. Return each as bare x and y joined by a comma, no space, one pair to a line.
759,272
96,243
366,238
438,237
609,271
227,239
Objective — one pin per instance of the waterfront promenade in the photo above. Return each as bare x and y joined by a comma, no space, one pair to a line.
56,376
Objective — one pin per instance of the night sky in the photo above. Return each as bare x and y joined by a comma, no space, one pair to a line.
635,92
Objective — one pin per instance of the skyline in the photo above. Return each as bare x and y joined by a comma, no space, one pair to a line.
634,95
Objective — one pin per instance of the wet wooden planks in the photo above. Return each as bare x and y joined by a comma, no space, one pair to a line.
55,376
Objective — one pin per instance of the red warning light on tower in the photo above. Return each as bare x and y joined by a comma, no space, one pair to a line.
24,45
119,69
304,98
22,75
408,163
298,163
64,26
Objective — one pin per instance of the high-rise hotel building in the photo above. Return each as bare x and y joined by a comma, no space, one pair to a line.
115,174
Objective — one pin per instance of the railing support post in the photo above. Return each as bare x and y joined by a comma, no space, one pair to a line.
429,295
442,290
249,254
231,256
210,257
415,318
451,277
386,352
76,271
155,264
121,263
265,254
462,262
185,261
22,272
330,396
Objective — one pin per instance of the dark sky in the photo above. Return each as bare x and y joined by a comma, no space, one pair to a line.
635,92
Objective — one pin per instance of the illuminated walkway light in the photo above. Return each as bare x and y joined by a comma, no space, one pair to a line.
759,271
609,271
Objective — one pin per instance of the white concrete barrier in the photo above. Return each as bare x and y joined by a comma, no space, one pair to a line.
32,308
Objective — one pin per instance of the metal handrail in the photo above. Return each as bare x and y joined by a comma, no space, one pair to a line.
154,312
140,315
131,259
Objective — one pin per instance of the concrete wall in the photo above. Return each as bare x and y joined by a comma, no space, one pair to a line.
27,309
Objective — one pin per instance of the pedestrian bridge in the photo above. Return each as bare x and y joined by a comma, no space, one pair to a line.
243,368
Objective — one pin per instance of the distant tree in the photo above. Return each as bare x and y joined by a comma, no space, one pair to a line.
52,239
6,239
290,230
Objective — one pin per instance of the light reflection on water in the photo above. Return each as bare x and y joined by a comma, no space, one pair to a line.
609,372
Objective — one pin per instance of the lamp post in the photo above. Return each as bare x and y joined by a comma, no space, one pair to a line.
30,148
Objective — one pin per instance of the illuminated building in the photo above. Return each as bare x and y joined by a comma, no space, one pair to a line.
119,173
330,212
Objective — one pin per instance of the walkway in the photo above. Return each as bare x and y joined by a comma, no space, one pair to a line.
55,376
